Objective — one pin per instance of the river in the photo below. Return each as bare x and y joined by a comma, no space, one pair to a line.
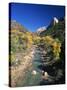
31,79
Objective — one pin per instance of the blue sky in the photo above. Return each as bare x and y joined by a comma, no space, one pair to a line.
33,16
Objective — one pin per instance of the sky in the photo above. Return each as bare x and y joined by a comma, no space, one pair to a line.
34,16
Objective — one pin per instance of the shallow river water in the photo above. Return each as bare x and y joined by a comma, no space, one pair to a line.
34,79
31,79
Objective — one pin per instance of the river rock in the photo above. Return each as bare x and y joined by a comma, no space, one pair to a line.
45,76
34,72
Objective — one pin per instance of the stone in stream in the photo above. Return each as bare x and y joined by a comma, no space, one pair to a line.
34,72
45,75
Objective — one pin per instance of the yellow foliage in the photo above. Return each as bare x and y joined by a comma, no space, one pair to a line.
29,39
48,40
56,45
36,39
56,48
12,58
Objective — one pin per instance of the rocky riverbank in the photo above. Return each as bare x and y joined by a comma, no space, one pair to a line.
19,71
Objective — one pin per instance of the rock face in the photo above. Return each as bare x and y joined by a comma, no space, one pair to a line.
55,20
41,29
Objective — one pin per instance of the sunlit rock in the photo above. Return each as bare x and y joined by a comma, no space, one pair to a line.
34,72
55,20
45,75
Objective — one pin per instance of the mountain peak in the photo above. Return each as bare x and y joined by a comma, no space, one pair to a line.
55,20
41,29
